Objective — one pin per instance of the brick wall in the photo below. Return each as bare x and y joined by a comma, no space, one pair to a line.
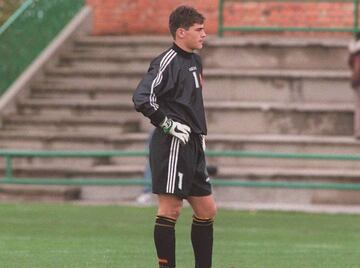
151,16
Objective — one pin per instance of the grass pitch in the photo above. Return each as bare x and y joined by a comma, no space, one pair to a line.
58,235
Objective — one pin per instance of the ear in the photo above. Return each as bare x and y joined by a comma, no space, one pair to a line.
180,32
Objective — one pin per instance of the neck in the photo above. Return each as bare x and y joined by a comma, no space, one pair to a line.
181,51
183,47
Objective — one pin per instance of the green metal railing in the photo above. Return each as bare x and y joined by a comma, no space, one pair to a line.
9,178
253,28
7,8
28,31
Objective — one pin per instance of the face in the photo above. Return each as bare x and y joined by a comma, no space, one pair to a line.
193,38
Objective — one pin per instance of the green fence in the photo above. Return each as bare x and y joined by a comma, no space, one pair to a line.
354,28
9,178
28,31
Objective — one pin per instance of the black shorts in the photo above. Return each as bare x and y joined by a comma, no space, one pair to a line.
176,168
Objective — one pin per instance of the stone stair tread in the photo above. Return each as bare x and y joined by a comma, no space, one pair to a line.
116,40
99,169
278,41
289,172
143,136
277,138
267,106
229,105
96,70
281,73
73,103
108,56
119,168
55,119
70,87
209,72
36,134
227,40
90,82
67,192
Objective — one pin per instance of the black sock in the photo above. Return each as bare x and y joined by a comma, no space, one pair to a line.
202,241
164,237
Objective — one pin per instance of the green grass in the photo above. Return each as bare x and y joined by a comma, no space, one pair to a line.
54,235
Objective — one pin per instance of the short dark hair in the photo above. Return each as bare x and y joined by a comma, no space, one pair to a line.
184,17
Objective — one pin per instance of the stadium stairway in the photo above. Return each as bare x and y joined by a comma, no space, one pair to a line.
283,95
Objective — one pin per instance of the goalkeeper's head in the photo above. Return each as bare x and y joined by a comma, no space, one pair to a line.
187,24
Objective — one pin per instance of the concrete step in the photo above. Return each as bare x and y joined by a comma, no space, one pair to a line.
79,124
73,166
59,170
107,59
260,198
289,174
122,44
73,91
108,56
68,107
279,118
39,193
93,83
121,40
133,65
278,85
103,66
37,139
280,52
95,71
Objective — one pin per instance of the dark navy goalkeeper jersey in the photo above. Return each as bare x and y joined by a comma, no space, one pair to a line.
172,87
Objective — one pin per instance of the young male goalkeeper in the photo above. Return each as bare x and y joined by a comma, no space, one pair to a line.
170,95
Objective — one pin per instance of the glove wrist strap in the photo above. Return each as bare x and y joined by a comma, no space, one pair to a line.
166,125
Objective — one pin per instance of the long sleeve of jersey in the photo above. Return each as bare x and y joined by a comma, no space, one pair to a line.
172,87
155,84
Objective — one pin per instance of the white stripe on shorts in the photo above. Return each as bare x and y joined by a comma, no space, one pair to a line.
173,159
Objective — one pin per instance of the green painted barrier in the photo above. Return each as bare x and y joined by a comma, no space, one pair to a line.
28,32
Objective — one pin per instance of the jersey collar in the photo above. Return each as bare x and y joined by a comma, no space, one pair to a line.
181,51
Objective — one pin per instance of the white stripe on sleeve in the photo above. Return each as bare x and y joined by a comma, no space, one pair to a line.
168,57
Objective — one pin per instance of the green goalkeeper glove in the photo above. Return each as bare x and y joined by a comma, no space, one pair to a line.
176,129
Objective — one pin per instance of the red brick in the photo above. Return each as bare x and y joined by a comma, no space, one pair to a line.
151,16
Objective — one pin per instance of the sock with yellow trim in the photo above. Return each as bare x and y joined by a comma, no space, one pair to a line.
202,241
164,237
